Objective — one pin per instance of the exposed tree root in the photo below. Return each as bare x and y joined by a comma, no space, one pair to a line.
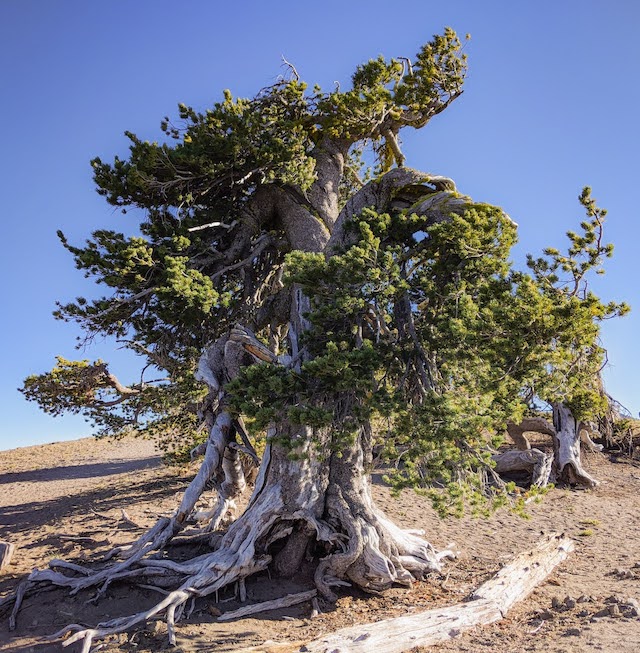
236,559
132,563
363,547
375,554
275,604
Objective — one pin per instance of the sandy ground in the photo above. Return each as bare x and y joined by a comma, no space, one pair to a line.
65,500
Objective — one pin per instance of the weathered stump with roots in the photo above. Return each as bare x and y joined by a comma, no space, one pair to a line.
566,446
565,464
305,503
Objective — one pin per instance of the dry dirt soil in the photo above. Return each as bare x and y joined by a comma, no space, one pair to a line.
65,500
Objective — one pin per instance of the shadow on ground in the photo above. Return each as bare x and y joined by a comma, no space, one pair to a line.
91,470
24,517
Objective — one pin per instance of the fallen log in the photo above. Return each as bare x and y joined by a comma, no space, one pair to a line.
489,603
537,463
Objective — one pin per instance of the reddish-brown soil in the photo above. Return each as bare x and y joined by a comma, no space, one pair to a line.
65,500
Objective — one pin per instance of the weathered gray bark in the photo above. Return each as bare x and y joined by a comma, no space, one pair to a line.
566,445
537,463
565,465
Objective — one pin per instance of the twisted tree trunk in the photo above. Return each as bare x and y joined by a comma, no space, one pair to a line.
566,446
320,499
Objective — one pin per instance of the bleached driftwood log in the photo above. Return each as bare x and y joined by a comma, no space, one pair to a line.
490,602
535,462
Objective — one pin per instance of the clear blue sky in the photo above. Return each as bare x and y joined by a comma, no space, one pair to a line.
551,104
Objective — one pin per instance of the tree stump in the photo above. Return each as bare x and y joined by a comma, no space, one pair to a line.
6,553
566,445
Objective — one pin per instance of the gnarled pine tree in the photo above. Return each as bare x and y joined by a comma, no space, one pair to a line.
273,287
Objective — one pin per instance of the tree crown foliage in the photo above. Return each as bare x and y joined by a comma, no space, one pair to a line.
427,329
180,282
418,320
